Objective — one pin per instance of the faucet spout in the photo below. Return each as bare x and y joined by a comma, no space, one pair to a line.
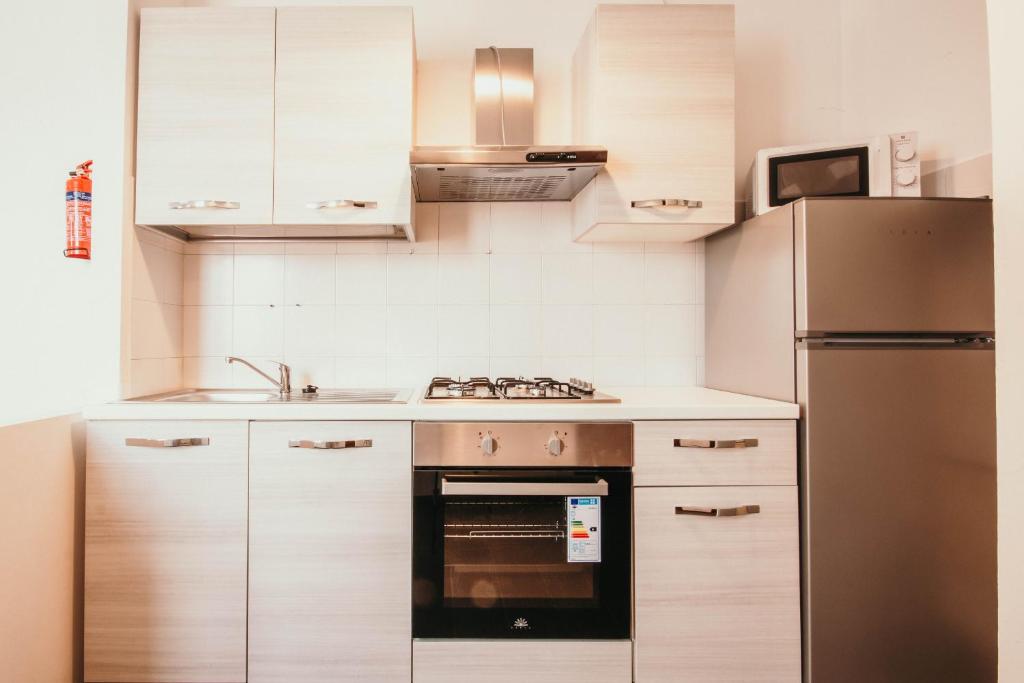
284,381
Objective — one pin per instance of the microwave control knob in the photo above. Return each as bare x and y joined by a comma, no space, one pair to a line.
904,152
905,177
488,444
555,445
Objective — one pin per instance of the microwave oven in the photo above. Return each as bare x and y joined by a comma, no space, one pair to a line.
882,166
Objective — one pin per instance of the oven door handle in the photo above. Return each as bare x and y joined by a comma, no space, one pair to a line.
463,487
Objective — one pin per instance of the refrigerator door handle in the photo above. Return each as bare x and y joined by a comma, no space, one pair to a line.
715,443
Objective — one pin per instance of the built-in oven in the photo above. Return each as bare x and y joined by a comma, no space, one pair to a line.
522,530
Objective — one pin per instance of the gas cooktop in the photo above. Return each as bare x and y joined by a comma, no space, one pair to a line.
514,389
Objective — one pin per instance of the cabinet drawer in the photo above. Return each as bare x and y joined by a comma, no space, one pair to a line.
717,597
165,552
715,453
330,561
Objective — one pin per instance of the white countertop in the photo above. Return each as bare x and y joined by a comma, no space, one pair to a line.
638,403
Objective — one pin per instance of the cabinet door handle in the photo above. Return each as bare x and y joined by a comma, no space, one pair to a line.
718,512
309,443
715,443
342,204
655,203
204,204
168,443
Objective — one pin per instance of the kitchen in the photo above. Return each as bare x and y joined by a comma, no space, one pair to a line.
529,322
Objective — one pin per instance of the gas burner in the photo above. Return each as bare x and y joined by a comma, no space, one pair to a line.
472,388
515,389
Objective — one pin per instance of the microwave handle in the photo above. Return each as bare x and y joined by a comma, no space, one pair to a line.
462,487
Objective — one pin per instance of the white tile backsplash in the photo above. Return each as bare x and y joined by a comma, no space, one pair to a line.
259,279
258,331
497,289
309,279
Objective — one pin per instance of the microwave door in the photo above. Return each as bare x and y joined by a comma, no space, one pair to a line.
830,173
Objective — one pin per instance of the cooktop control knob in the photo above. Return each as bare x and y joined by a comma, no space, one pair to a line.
555,445
488,444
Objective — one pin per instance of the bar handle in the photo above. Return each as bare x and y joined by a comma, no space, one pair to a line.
451,487
657,203
715,443
718,512
204,204
342,204
331,445
168,443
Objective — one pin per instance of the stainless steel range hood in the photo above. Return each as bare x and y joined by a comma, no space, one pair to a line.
504,165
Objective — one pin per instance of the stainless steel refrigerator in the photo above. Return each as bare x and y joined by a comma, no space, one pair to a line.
876,316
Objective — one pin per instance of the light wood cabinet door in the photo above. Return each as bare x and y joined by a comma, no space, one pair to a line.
205,116
655,85
165,552
717,597
714,452
330,552
344,115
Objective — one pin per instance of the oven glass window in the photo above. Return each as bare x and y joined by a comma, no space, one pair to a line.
819,174
512,553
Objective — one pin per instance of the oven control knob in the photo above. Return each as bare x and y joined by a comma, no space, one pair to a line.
555,445
488,444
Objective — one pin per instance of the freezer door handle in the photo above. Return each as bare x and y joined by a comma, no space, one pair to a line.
738,511
715,443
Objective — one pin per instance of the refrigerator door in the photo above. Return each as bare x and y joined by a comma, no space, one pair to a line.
876,265
898,508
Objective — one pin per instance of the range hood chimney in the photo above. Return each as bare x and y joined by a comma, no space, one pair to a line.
503,165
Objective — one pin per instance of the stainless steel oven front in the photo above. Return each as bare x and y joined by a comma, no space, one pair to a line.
522,530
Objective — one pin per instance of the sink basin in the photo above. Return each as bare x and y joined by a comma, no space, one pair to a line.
264,396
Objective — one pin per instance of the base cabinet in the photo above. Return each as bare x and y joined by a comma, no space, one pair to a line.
520,661
717,597
165,549
330,552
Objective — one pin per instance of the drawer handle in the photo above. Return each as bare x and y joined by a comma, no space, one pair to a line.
204,204
342,204
715,443
718,512
655,203
309,443
168,443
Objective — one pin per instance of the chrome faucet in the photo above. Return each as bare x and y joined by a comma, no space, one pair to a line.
283,383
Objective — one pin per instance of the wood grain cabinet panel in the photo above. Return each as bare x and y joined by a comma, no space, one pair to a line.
715,452
344,114
330,552
717,598
655,85
165,553
205,115
518,661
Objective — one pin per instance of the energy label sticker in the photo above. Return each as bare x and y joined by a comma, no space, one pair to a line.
583,516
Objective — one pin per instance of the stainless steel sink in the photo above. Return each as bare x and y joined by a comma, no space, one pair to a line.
264,396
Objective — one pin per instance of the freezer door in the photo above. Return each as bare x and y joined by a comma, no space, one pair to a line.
898,514
875,265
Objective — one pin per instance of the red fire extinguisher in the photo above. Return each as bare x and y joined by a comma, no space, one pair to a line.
78,212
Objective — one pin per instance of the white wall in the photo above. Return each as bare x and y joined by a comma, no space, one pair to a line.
1006,26
921,65
64,97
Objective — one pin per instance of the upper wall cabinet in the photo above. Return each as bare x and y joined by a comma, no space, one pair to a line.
205,117
344,113
654,84
299,116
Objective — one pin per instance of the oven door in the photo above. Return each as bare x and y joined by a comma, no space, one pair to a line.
522,554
